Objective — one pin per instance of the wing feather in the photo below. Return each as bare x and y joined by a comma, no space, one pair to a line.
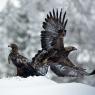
52,25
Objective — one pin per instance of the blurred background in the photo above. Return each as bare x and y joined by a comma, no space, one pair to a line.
21,23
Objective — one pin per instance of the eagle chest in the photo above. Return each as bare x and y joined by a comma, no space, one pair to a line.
15,59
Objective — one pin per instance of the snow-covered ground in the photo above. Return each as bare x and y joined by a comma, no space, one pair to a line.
42,86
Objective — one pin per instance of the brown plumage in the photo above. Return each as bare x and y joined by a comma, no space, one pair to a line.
53,52
61,57
53,37
54,30
61,65
26,67
23,65
40,60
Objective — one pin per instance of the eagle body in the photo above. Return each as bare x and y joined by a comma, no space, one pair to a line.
61,56
23,65
24,68
52,37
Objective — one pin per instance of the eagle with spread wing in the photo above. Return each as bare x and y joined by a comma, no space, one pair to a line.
52,44
52,37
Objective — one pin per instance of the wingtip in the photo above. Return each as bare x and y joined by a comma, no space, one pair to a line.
50,14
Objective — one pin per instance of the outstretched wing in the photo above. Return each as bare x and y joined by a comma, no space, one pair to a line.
54,25
62,70
41,57
39,61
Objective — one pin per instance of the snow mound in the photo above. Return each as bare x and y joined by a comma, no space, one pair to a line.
25,82
42,86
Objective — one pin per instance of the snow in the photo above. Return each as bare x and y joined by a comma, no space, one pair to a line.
84,56
16,3
42,86
3,3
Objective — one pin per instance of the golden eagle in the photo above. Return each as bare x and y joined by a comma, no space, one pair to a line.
52,44
23,65
52,37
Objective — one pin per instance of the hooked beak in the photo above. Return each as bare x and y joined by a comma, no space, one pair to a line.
75,48
9,45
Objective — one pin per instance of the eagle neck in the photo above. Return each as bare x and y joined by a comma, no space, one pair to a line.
14,51
61,43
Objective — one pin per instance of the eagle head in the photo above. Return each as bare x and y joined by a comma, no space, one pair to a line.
14,47
73,48
70,48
